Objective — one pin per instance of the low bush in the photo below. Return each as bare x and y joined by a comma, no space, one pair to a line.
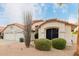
42,44
21,40
59,43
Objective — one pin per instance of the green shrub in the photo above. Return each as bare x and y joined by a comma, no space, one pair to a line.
21,40
74,32
59,43
42,44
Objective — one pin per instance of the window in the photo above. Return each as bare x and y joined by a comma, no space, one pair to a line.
52,33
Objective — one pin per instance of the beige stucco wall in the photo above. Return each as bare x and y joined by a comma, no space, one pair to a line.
64,30
68,35
13,33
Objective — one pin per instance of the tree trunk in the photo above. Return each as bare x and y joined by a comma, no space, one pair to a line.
77,48
78,41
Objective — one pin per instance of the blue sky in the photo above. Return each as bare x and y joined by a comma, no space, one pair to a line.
54,11
11,13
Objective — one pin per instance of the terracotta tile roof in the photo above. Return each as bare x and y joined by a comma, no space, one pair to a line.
22,26
57,20
1,28
15,24
35,21
19,25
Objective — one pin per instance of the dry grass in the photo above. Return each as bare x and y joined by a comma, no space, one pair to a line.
12,48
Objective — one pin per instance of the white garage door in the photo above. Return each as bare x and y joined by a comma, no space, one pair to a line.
10,36
14,37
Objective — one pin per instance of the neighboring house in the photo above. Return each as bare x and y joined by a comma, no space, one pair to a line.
54,28
13,32
16,31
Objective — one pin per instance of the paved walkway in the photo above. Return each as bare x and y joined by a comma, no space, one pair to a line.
10,48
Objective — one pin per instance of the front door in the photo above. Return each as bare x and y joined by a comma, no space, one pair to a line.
52,33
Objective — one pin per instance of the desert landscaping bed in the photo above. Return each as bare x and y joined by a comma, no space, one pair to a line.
19,49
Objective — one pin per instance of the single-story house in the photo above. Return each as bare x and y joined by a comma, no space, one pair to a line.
54,28
51,28
13,32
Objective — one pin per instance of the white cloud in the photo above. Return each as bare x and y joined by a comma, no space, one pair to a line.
15,11
37,11
42,4
63,7
72,19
